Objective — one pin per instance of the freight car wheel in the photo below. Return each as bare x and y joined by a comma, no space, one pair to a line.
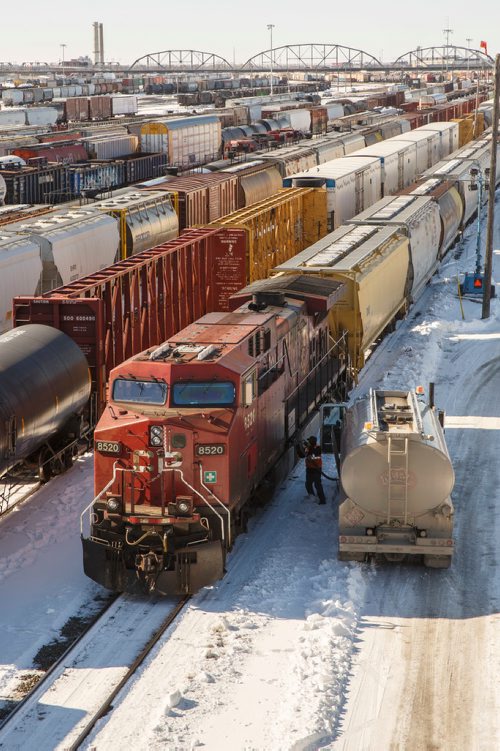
69,456
45,465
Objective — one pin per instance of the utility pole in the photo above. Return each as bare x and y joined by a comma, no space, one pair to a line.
447,32
63,47
468,40
270,27
488,259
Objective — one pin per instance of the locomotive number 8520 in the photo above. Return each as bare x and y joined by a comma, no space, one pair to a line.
210,449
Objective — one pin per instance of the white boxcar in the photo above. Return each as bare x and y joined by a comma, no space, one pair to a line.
72,244
20,272
428,147
419,218
41,115
124,104
399,163
449,136
13,116
110,147
299,119
352,185
187,141
13,96
3,188
335,110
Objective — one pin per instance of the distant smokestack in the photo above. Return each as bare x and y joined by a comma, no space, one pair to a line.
97,55
101,42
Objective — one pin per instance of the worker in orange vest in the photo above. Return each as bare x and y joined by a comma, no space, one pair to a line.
314,467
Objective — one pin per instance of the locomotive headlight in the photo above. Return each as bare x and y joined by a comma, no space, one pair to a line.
184,507
113,505
156,435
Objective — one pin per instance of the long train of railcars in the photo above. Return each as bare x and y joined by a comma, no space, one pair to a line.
141,223
216,406
436,220
59,169
147,531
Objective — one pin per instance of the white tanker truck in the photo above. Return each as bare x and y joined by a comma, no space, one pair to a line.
396,479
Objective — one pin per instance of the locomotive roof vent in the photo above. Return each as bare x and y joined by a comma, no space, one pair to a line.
263,298
159,352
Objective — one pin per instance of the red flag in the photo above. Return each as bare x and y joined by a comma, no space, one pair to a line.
484,45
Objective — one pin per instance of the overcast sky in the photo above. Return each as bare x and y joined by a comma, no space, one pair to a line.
237,30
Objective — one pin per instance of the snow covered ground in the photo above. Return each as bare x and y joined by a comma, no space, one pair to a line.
294,651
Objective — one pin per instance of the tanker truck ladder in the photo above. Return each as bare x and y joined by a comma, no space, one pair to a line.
397,482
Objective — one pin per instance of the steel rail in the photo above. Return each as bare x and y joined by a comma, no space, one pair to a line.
57,663
106,705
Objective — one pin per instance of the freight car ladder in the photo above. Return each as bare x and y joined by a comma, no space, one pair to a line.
397,483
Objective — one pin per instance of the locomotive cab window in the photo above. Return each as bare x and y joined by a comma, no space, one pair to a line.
203,394
249,388
139,392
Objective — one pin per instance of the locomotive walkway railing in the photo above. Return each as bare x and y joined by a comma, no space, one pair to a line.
332,372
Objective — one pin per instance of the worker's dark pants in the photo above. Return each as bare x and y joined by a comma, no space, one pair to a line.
313,480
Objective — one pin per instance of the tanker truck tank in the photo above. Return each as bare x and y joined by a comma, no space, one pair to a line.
3,190
396,479
44,389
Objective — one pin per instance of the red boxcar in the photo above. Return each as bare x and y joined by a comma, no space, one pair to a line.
202,198
63,154
100,107
76,109
143,300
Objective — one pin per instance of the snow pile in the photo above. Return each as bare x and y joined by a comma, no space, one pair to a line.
46,519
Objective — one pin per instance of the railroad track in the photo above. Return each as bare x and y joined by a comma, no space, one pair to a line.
16,490
80,688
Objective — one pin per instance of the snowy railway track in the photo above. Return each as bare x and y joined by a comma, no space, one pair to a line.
15,491
80,688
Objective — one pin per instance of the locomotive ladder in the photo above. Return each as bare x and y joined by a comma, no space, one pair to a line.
397,483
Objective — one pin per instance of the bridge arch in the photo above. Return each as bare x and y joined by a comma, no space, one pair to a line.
312,56
181,60
444,56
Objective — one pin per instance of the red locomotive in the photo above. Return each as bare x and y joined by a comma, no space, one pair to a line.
193,426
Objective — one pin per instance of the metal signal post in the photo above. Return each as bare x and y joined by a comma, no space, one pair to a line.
488,261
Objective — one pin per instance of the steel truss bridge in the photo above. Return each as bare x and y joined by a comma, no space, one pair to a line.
323,58
311,58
